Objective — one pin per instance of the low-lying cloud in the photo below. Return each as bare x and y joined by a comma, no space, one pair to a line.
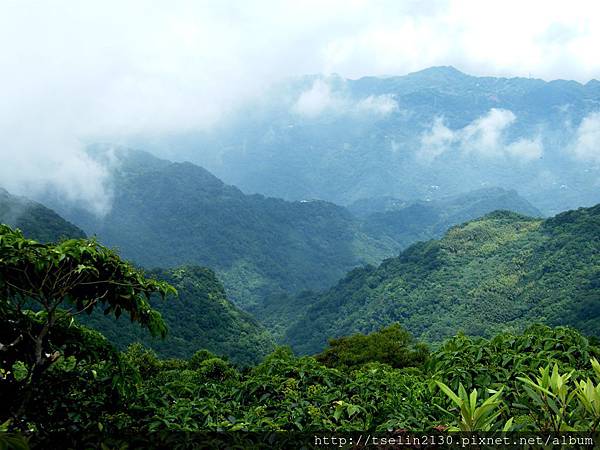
586,144
321,98
436,141
484,137
79,72
316,100
377,104
35,162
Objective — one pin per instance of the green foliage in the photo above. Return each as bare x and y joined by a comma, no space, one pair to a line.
391,345
215,369
35,220
199,357
285,392
138,396
474,417
201,317
550,392
560,403
501,272
11,441
588,394
407,223
79,272
145,361
37,344
168,214
84,385
482,362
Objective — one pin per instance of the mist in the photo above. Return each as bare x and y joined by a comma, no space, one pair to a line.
485,137
75,73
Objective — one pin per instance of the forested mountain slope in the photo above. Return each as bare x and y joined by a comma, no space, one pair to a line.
409,222
201,317
168,214
34,219
499,272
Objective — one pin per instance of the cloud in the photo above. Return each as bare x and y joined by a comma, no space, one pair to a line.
321,98
35,161
586,145
377,104
436,141
78,72
526,149
485,137
316,100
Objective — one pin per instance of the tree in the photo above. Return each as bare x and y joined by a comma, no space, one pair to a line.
76,274
391,345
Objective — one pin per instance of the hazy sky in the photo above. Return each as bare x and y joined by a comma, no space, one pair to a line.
77,70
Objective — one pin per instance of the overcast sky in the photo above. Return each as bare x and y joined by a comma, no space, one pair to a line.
76,70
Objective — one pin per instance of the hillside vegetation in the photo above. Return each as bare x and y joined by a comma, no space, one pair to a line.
467,384
65,385
201,317
500,272
34,219
169,214
409,222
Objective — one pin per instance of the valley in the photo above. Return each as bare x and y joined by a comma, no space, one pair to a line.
415,252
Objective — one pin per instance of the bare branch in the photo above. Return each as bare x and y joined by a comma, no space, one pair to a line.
89,305
20,289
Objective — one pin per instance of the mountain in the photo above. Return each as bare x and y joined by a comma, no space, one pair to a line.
499,272
167,214
404,223
429,134
424,220
34,219
201,317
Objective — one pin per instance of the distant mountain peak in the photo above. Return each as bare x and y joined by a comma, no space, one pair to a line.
445,71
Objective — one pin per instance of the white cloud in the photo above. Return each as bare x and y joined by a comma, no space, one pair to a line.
377,104
316,100
526,149
74,72
586,145
321,98
484,137
34,161
436,141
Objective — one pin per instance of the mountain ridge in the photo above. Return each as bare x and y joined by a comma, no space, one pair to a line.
369,138
201,317
34,219
500,272
169,214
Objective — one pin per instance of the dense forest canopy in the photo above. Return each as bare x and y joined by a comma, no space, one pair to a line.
167,214
42,288
221,372
500,272
202,317
34,219
290,224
